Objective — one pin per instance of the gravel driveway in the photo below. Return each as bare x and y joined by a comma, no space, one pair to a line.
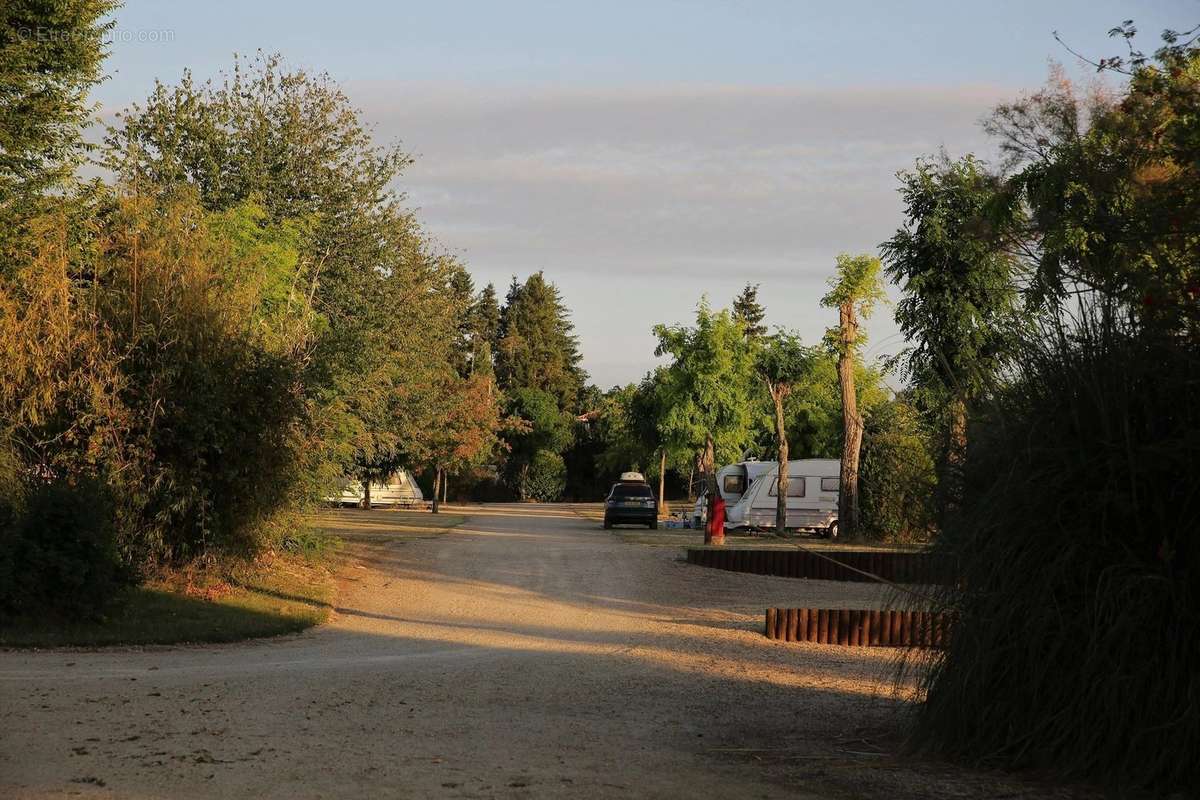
527,653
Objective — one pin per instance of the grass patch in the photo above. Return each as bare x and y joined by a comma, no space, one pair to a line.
278,593
379,527
274,595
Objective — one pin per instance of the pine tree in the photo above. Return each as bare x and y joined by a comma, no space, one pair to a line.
484,329
749,312
537,347
461,292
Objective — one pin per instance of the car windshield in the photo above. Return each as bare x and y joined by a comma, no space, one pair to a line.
631,490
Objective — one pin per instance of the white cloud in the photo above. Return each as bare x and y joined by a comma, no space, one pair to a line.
635,201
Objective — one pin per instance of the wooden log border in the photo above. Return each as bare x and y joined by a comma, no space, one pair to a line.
897,567
857,627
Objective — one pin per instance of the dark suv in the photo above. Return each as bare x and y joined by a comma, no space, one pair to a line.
633,502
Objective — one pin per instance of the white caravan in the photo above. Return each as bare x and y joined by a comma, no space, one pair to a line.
750,488
400,489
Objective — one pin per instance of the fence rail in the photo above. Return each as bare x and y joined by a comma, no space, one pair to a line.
857,627
829,565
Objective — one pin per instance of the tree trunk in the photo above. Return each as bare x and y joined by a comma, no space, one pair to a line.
777,395
366,498
445,488
710,481
663,510
851,424
437,489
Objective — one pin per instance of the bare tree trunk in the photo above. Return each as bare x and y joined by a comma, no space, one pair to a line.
437,489
777,395
366,498
692,480
445,487
710,481
851,423
663,510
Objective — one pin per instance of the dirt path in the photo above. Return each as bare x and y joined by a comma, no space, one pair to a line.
527,653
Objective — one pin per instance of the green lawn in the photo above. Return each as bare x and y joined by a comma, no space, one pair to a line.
289,594
279,594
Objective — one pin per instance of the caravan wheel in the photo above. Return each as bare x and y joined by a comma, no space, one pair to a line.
832,531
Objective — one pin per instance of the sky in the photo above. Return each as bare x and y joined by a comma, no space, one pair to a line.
646,154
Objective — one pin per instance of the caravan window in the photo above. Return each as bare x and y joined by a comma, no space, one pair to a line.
829,484
795,487
735,484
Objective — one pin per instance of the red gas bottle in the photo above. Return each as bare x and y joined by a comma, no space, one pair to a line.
715,532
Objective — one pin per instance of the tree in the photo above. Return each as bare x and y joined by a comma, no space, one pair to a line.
624,444
51,53
537,347
707,391
462,432
628,434
1097,192
853,291
163,357
749,312
898,476
546,477
541,427
390,303
484,325
782,362
959,294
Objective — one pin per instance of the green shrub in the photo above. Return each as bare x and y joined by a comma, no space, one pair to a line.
58,554
547,476
1076,645
897,479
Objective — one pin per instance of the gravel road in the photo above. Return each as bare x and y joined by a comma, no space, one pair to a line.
527,653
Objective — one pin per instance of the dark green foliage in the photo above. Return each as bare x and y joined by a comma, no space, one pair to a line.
958,283
483,326
545,477
58,553
749,312
898,478
537,348
50,56
541,427
1076,642
959,303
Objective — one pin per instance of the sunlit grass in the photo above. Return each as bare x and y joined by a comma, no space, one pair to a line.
282,595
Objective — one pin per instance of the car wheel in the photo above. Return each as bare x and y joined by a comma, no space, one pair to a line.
652,525
607,523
